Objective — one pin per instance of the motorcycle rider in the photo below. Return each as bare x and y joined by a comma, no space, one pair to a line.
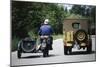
47,30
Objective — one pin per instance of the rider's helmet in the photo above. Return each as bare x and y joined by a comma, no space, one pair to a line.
46,21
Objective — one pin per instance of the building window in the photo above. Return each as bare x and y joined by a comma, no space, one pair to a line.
76,25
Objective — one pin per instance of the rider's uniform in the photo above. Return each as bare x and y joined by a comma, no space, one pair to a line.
46,30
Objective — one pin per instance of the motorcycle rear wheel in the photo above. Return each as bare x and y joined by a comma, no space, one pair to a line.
45,53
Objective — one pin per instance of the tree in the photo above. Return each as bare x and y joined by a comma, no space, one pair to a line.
28,16
88,12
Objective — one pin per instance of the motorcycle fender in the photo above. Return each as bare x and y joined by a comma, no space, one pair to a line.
38,47
19,44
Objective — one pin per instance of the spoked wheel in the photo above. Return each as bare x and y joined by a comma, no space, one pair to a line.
28,46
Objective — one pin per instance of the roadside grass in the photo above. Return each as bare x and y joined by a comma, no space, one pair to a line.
57,36
14,43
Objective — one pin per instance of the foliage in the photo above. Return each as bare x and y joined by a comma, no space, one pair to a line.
15,41
87,12
60,36
28,17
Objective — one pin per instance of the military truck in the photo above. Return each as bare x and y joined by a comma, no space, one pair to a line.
76,32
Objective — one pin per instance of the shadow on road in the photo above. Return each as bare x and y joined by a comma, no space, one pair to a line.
52,55
81,53
32,56
37,56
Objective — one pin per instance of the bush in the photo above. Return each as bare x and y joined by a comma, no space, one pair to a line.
14,43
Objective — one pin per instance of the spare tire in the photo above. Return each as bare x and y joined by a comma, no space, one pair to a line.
28,45
81,36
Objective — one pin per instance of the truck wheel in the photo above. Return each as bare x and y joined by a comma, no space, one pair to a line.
19,54
89,47
67,50
70,50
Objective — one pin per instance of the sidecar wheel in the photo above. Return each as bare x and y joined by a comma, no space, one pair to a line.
19,54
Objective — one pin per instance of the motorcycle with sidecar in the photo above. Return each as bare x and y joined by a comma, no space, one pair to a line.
28,45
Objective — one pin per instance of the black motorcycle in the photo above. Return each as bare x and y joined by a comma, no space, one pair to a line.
45,45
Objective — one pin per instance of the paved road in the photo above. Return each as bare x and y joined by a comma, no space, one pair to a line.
56,56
